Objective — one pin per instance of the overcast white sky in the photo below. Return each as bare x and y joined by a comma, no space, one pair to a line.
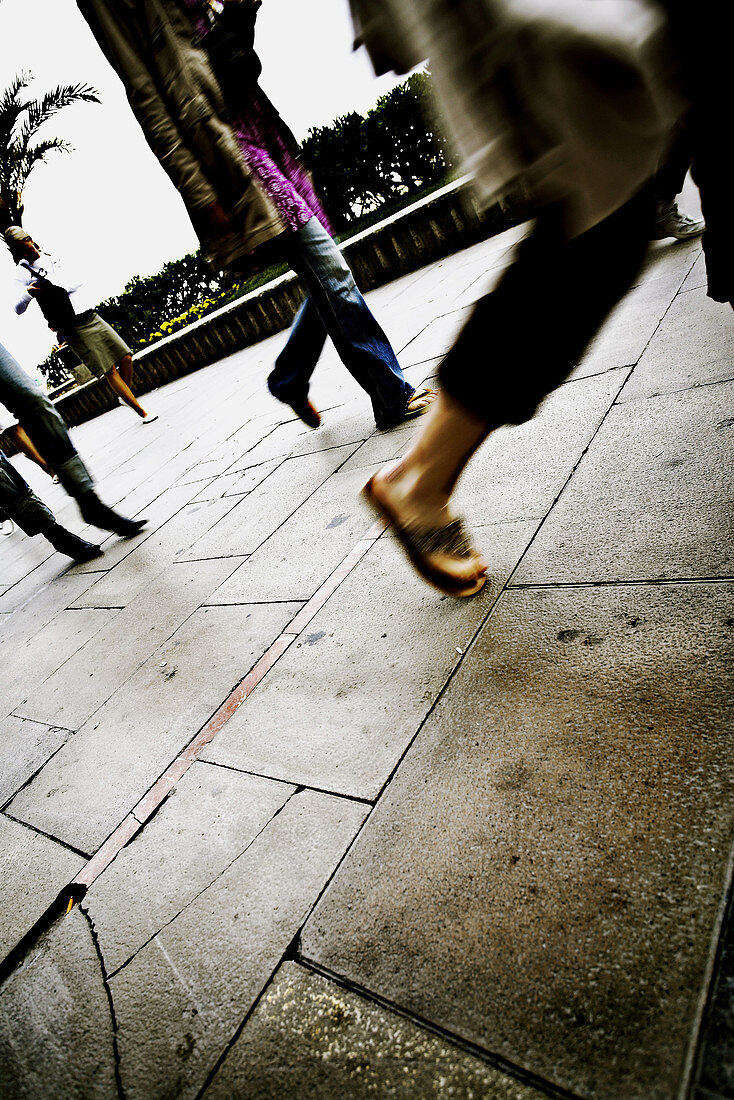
108,207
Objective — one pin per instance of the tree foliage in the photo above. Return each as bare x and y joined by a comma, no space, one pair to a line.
146,302
20,147
396,150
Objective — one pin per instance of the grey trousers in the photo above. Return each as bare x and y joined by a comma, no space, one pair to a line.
37,415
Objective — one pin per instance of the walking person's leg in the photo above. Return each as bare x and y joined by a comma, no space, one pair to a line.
22,506
519,344
32,408
106,355
359,340
668,184
125,370
27,447
289,380
121,389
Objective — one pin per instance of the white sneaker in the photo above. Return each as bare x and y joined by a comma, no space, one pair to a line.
149,418
6,526
669,222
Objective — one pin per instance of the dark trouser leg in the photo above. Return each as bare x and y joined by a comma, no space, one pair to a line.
360,342
20,503
36,413
38,416
297,361
525,338
672,172
32,516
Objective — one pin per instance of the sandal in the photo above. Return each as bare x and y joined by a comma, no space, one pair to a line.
420,543
420,402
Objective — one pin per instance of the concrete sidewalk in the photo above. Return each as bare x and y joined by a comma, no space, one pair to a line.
331,834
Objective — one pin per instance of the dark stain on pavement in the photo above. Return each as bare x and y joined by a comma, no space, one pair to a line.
336,521
512,777
312,639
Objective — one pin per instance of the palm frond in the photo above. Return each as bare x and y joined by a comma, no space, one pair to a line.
11,107
38,154
38,111
20,120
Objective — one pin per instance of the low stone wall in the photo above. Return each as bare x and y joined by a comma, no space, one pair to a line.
443,223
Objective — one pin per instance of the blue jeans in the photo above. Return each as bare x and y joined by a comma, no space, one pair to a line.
36,414
335,307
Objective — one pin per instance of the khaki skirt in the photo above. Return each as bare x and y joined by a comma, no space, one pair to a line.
96,343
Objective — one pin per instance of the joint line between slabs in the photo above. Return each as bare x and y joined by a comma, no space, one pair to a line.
160,790
502,1065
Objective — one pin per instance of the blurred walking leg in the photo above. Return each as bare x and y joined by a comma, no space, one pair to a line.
336,307
519,344
43,423
21,504
122,390
668,184
26,446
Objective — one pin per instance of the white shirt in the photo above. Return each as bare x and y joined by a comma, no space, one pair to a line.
80,297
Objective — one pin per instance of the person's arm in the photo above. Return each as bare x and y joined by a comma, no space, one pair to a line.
23,296
116,38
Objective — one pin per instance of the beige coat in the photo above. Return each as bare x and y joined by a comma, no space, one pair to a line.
573,99
172,90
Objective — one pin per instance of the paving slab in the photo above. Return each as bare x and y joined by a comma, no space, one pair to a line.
54,569
210,818
628,330
341,706
520,471
244,481
56,1037
101,773
221,486
33,871
339,427
694,346
437,337
27,666
696,277
262,511
543,877
22,554
24,747
715,1069
310,1038
148,562
98,668
163,508
181,998
276,441
302,553
651,498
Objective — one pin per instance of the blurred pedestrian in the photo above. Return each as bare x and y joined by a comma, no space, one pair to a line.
668,184
66,302
18,436
237,167
20,505
34,412
576,102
